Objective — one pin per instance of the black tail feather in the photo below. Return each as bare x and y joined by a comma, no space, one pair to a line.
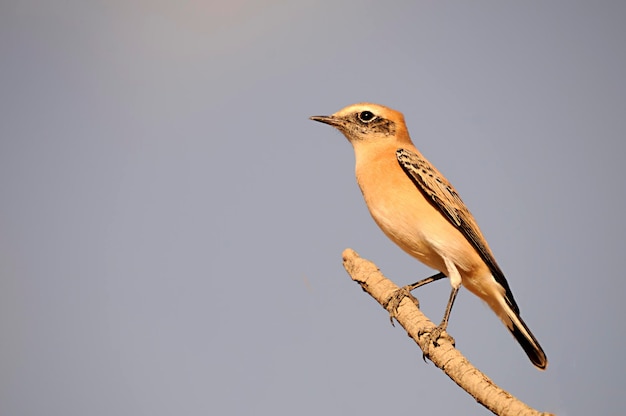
530,344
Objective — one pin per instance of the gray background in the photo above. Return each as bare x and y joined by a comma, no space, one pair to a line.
171,223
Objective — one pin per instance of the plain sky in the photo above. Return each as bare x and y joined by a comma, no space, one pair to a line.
171,223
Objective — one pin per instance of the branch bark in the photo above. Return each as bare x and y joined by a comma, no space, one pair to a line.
445,356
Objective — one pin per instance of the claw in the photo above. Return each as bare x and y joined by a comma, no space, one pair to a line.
436,333
395,299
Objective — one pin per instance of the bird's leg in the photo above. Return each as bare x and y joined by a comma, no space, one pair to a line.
435,334
423,282
394,302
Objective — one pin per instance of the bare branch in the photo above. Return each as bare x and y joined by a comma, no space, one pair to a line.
445,355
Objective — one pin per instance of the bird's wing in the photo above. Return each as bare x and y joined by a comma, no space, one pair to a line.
444,197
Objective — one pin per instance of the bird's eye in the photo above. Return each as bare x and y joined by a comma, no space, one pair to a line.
366,116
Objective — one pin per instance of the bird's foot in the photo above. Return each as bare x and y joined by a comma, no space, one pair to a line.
435,334
393,303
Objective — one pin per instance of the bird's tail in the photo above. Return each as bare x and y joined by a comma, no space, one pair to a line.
522,334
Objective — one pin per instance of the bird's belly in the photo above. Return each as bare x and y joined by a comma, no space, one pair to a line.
411,221
409,232
417,227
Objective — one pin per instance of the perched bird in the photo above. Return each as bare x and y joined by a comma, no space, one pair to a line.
420,211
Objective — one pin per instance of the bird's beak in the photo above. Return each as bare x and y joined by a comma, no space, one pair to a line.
333,121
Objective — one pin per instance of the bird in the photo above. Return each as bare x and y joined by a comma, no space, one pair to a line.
420,211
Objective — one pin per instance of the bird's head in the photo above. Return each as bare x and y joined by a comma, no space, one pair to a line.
366,122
